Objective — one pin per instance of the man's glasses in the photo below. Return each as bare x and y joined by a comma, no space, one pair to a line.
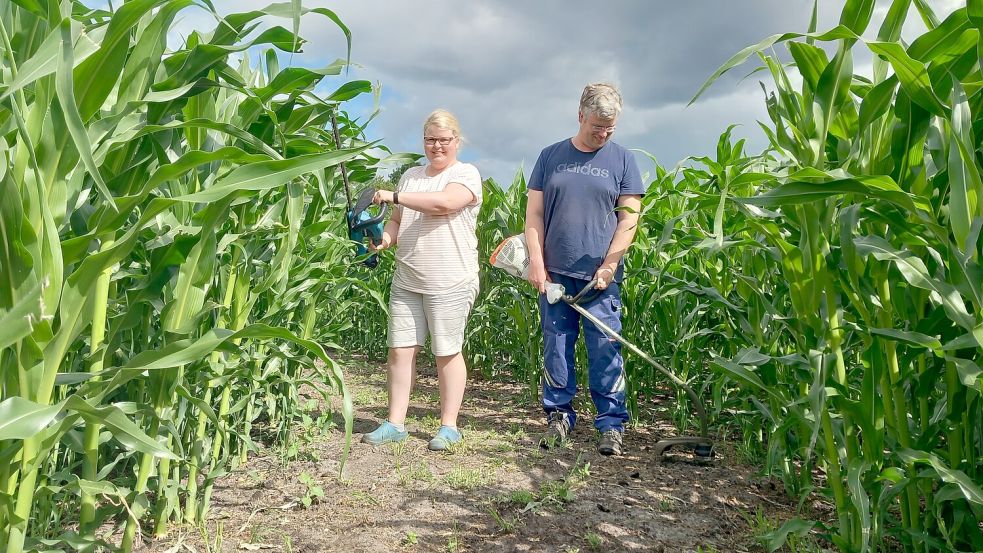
601,128
443,140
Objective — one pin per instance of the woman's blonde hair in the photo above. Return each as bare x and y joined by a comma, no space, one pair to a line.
443,119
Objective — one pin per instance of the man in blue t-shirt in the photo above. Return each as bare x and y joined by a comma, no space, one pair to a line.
575,234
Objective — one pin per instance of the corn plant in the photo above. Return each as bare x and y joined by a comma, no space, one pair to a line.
503,333
166,240
866,221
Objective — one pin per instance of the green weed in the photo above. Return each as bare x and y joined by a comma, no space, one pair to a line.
593,539
313,491
467,478
505,524
419,472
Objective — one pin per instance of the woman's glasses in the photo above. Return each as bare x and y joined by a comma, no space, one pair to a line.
442,140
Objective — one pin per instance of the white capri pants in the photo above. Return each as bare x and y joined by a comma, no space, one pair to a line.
444,316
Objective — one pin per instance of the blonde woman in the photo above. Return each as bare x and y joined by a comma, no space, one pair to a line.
436,278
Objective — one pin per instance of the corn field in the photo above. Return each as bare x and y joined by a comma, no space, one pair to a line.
170,222
174,268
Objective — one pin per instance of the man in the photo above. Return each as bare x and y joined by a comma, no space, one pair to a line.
576,234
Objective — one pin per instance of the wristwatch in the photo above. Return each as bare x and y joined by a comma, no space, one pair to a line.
396,197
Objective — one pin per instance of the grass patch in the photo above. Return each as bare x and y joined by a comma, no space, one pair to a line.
593,539
505,523
420,472
430,423
554,493
398,448
424,397
370,396
361,498
468,479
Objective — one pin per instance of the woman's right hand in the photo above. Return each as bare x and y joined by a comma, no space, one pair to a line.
382,197
537,276
385,243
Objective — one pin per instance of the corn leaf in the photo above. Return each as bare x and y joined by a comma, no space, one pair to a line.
18,322
70,112
270,174
96,77
971,492
916,274
45,60
966,184
912,75
744,375
21,419
122,428
799,192
856,15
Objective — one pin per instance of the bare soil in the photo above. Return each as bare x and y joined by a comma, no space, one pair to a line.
497,492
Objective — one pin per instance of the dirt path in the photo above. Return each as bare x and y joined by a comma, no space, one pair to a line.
499,492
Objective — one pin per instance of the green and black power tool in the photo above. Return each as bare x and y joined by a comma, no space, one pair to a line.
362,225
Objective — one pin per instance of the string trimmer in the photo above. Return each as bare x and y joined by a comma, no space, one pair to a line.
512,256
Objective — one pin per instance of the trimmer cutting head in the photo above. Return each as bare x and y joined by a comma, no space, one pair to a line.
702,447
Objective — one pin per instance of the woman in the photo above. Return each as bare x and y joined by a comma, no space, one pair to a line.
436,278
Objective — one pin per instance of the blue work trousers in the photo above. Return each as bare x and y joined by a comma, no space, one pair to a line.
606,370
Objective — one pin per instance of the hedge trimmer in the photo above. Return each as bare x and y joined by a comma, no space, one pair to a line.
512,256
361,223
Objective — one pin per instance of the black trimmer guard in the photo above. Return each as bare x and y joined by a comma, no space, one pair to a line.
702,447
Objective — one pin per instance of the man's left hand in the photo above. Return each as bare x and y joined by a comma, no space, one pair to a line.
603,276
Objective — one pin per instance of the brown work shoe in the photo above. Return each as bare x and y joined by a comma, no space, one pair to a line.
556,430
610,442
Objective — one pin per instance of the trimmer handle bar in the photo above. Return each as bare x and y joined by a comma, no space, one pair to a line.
357,222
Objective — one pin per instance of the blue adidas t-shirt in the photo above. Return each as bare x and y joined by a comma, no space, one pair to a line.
580,191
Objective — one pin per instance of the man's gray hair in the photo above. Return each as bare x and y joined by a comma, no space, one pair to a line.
602,100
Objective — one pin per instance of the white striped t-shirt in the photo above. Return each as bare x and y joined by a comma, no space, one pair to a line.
438,253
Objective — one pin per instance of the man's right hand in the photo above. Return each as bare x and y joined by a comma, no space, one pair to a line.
538,277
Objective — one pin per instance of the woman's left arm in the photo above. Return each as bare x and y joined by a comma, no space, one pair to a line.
453,198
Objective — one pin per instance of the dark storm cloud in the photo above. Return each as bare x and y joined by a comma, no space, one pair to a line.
513,71
661,50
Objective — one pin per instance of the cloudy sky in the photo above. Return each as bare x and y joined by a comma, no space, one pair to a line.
513,71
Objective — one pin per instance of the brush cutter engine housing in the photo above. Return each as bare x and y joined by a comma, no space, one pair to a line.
512,256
